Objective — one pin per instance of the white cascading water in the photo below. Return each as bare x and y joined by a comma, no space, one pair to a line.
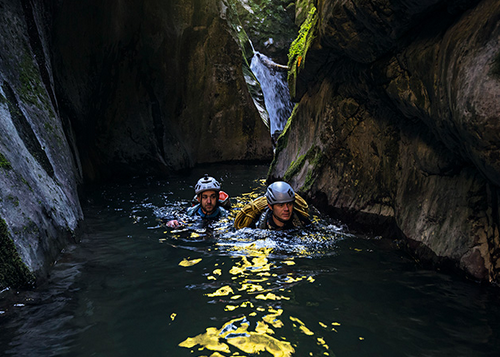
272,78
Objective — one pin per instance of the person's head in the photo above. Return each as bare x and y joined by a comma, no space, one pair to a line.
207,192
280,199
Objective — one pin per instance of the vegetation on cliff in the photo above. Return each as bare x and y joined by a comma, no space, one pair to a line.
13,272
299,47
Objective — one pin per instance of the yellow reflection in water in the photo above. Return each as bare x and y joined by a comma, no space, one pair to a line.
225,290
237,334
209,340
271,296
252,293
188,263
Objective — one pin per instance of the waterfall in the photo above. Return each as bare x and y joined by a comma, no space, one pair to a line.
272,78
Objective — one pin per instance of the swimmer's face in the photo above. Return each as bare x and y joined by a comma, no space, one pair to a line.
208,200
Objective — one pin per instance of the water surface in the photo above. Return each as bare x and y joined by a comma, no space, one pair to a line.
131,287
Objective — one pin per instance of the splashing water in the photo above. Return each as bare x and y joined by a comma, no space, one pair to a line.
275,90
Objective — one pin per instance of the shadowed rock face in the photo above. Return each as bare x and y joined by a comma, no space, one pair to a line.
39,207
154,86
100,90
397,125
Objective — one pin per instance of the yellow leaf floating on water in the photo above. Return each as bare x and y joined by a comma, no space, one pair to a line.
225,290
173,315
217,272
188,263
322,324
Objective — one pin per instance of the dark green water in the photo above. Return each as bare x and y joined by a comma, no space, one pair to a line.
133,288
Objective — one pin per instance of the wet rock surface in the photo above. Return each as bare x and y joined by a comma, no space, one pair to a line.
397,126
39,205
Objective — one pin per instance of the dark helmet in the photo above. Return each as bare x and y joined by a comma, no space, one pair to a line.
279,192
206,183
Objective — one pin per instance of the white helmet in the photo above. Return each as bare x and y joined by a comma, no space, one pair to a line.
206,183
279,192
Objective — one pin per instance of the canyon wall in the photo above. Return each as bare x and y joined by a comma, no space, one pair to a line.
396,128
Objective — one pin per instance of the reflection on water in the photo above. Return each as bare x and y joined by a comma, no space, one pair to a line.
253,288
132,287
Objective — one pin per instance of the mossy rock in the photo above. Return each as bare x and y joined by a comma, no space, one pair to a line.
4,163
269,24
13,272
299,47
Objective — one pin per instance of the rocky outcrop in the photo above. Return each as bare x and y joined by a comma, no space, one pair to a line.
154,87
397,125
39,207
269,24
100,90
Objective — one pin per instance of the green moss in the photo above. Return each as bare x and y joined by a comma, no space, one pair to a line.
32,90
316,161
4,163
14,200
264,19
27,183
282,142
304,38
299,48
283,138
295,167
495,68
13,272
314,157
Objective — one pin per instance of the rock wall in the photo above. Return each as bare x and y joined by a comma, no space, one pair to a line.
39,207
154,86
100,90
397,125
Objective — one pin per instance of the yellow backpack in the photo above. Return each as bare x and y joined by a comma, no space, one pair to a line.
252,211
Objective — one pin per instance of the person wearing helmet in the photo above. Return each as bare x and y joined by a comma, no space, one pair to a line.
207,191
280,214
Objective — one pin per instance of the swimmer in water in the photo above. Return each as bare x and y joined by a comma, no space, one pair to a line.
280,213
209,207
